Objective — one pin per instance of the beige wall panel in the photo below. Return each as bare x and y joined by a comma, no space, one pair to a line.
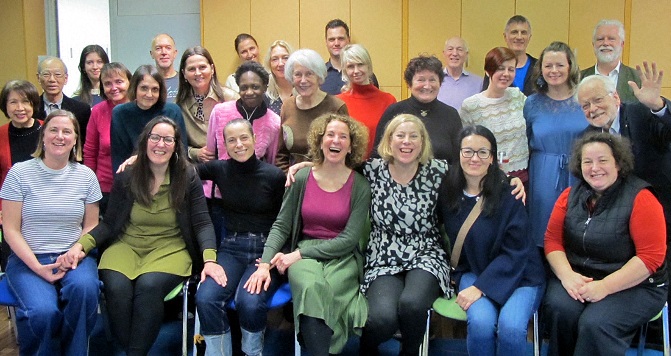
35,36
482,25
649,36
582,20
11,26
313,17
275,20
395,91
430,24
549,22
376,24
222,21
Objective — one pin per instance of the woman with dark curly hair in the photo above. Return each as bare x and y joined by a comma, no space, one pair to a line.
324,264
423,75
605,243
90,67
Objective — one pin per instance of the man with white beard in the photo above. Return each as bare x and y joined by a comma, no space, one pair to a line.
608,40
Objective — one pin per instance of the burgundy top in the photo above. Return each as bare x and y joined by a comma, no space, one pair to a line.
325,214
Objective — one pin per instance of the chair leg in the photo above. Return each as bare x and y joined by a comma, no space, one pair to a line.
297,345
665,328
185,315
424,346
12,317
537,344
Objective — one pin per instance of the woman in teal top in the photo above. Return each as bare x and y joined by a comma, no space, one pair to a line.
160,232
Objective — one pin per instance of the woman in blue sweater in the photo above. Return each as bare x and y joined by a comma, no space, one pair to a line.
499,274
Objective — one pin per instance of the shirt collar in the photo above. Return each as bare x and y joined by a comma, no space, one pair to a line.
615,70
463,72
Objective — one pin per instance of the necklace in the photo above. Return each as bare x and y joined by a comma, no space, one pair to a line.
424,112
28,131
249,116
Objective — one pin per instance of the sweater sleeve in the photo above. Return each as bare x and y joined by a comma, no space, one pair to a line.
283,226
92,143
647,228
122,145
554,235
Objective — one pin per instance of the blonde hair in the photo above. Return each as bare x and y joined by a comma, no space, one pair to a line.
384,148
76,153
273,91
354,53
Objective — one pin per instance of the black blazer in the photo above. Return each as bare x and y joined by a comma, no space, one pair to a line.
192,217
81,110
528,85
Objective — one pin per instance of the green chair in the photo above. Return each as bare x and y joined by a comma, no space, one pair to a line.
643,333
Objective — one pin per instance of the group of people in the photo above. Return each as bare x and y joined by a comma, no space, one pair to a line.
389,205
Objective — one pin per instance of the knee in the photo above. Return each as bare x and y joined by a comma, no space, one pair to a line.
44,314
512,329
209,295
411,308
250,305
481,326
382,320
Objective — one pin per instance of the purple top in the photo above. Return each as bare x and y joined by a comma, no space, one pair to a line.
325,214
453,92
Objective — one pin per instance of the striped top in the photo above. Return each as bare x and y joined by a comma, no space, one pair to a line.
53,202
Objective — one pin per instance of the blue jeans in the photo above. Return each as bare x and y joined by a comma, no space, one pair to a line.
54,319
500,330
237,254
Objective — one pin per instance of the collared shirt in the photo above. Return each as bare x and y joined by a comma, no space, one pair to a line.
47,104
196,129
613,75
453,91
615,126
333,82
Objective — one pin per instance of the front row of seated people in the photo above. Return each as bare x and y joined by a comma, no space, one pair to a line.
157,231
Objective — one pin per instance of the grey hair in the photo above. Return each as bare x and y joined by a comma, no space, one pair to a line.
50,59
607,84
607,22
309,59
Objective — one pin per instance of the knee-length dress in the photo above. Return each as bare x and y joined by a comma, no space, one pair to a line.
404,223
552,126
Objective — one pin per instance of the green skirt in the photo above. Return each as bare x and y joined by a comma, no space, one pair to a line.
329,290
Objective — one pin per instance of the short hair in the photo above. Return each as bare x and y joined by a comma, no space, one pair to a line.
607,84
423,62
76,154
384,147
153,41
358,134
25,89
254,67
495,58
609,22
354,53
309,59
150,70
273,91
573,73
241,37
620,147
51,59
241,121
113,67
466,48
518,19
335,23
85,84
184,88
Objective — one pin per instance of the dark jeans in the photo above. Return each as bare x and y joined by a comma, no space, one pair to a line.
135,307
237,254
398,302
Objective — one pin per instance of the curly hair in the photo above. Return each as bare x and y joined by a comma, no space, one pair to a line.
423,62
384,147
254,67
358,134
619,146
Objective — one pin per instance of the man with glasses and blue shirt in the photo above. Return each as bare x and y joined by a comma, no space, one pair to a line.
53,75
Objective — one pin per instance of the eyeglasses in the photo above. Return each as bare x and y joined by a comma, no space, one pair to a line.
47,75
168,140
482,153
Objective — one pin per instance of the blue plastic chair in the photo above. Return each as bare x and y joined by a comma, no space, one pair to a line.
8,299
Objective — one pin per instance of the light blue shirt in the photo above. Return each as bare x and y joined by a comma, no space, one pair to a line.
453,91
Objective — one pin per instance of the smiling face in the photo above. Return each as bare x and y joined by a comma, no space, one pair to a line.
252,89
555,68
59,137
115,87
163,52
20,109
198,72
475,167
336,142
406,143
358,73
159,153
147,93
517,36
239,142
598,166
425,86
336,40
278,57
305,81
53,77
600,107
607,44
248,50
504,75
93,65
455,53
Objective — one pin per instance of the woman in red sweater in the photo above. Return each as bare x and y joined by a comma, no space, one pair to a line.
365,102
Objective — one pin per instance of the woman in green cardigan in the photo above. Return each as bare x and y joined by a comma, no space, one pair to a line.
324,215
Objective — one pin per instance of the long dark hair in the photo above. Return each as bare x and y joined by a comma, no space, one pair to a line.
136,79
85,84
184,87
493,183
142,178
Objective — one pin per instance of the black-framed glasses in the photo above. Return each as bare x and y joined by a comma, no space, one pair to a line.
482,153
168,140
